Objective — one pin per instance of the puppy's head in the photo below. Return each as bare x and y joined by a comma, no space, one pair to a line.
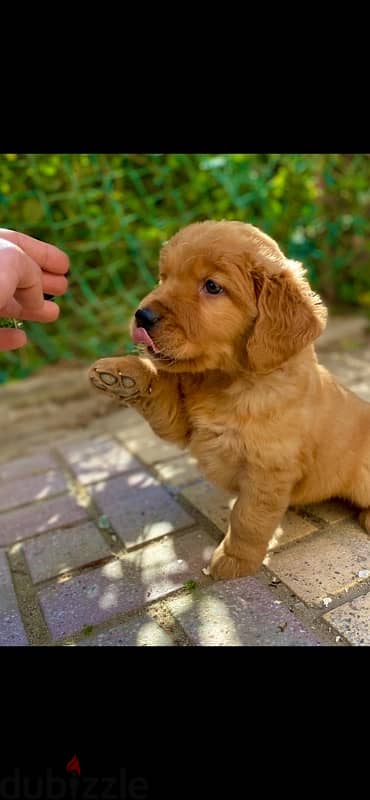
227,299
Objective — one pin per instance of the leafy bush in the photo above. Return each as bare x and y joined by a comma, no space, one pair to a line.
112,212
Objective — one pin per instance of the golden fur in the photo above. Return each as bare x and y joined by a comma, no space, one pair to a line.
237,381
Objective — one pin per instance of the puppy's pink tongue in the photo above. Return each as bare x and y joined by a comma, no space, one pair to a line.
141,336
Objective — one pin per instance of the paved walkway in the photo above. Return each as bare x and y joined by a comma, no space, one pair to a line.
105,532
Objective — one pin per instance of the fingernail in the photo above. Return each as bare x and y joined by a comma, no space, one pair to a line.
49,296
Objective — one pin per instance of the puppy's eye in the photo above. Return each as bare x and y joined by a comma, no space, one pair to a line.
212,288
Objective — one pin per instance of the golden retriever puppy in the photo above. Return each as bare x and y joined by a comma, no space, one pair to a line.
231,373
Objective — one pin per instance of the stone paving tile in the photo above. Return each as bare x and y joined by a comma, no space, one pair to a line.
137,632
351,372
342,328
362,388
213,502
97,459
19,467
144,443
292,528
352,620
11,626
138,508
179,471
62,550
38,518
332,510
216,504
347,369
239,612
125,585
326,565
30,488
125,419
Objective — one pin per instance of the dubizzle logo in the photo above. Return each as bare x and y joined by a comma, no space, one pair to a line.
74,766
74,787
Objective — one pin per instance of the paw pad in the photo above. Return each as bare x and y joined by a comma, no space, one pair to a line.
126,381
107,378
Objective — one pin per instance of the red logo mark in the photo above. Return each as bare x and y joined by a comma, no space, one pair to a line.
74,765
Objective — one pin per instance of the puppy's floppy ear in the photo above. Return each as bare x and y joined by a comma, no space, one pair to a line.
290,317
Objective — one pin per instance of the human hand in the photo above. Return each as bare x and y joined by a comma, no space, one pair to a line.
28,269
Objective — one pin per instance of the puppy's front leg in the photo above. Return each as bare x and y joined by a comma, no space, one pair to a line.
154,394
256,514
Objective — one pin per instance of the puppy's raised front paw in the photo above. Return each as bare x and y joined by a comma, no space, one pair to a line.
126,378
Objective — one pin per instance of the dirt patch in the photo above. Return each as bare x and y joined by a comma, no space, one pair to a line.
38,410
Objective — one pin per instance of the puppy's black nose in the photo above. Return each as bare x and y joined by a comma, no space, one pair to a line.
146,318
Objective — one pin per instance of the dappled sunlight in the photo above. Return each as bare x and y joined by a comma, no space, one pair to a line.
127,583
15,549
98,460
138,509
109,599
267,560
144,558
208,618
63,578
113,570
139,480
156,529
168,565
23,491
208,551
294,527
214,621
42,494
145,634
109,595
63,550
187,603
144,437
52,520
134,480
182,470
276,538
83,500
161,568
64,566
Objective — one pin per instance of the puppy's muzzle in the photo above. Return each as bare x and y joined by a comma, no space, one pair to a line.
146,318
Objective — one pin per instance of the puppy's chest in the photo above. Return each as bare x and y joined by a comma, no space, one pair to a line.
210,412
216,430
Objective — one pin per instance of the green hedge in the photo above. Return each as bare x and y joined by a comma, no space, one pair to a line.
112,212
